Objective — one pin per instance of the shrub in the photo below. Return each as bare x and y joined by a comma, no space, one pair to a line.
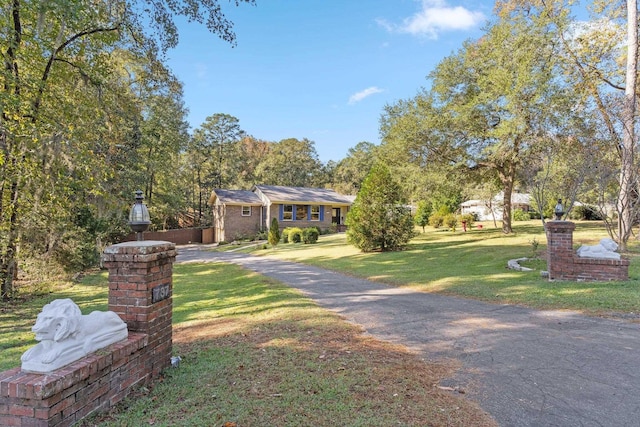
520,215
285,234
310,235
468,218
451,221
534,214
586,213
76,251
262,235
274,233
436,220
295,235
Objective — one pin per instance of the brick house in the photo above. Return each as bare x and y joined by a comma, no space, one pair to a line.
243,213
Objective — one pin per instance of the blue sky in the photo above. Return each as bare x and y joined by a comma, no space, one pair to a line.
320,69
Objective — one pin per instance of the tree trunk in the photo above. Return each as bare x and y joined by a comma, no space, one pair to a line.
199,198
507,177
627,152
506,207
9,251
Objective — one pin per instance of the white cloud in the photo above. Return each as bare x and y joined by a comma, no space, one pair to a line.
357,97
436,16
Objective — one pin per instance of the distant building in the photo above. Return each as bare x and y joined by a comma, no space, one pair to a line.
483,208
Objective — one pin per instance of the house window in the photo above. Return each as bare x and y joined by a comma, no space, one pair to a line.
287,212
315,213
301,212
246,211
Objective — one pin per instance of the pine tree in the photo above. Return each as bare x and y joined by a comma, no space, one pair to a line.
274,233
379,218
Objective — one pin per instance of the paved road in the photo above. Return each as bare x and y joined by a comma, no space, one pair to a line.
525,367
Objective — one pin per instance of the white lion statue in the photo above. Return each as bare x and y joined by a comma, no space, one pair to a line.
66,335
606,249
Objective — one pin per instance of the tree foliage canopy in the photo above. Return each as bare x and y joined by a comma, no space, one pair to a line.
488,106
88,113
379,218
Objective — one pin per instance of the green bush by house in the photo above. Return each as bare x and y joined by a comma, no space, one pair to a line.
310,235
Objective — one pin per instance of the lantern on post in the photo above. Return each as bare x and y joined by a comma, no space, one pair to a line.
139,219
558,210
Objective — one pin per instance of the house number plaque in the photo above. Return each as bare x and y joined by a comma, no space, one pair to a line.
160,293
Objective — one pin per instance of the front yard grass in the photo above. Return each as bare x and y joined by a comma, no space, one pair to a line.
473,264
257,353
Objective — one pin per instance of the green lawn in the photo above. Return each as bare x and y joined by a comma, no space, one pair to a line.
473,264
257,353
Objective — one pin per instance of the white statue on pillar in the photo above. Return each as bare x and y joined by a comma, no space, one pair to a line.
66,335
606,249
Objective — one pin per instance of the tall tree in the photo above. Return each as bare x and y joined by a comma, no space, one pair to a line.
214,151
348,174
252,152
600,59
61,66
379,217
218,138
628,173
290,162
487,105
163,138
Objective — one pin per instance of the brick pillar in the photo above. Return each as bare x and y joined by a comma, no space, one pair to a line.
560,254
140,292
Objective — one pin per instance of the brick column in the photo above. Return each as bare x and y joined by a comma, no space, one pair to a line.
140,292
560,252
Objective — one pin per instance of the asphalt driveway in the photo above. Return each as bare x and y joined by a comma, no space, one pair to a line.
525,367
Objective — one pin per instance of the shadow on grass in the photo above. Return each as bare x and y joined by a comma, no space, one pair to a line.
474,265
308,368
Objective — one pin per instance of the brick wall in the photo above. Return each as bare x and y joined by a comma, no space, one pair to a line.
140,292
140,288
69,394
237,226
564,264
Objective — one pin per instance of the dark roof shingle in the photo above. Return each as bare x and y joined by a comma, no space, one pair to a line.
277,194
237,197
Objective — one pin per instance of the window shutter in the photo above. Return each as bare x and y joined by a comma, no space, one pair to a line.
308,212
321,213
281,213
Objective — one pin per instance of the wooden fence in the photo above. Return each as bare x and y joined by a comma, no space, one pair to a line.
182,236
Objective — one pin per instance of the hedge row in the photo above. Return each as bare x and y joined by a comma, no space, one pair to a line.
297,235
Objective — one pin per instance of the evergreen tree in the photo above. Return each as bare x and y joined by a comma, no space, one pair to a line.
423,213
274,233
379,218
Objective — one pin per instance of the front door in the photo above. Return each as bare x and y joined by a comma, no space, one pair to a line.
335,216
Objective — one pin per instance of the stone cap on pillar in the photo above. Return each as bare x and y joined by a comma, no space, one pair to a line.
140,251
560,226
